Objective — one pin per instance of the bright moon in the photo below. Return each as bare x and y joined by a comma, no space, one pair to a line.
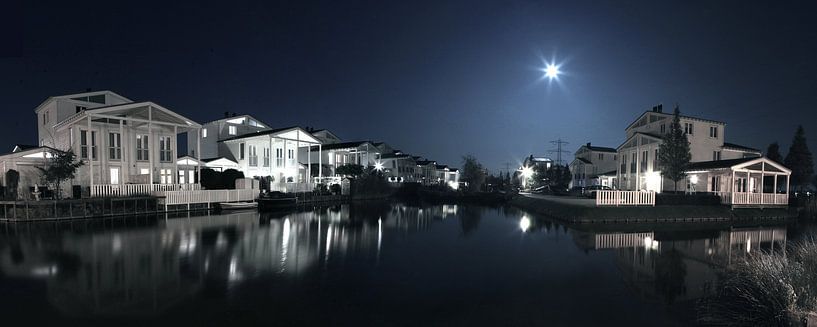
552,71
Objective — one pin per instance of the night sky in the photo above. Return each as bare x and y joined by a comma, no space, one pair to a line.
437,79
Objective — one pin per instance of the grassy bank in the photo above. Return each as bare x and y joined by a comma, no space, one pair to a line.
666,213
768,289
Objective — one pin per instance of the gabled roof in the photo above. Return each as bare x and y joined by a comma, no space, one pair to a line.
609,173
733,146
395,155
441,166
131,108
324,130
599,148
31,151
670,115
78,95
236,117
304,136
426,162
655,136
735,164
583,160
344,145
23,147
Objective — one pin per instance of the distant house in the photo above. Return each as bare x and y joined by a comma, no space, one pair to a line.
119,140
334,155
399,167
448,176
427,172
591,163
717,166
232,125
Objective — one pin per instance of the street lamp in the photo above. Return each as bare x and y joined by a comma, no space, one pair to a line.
551,71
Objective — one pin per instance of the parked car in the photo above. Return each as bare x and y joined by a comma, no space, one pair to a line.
541,190
590,191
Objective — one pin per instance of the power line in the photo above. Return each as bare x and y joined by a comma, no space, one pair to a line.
558,150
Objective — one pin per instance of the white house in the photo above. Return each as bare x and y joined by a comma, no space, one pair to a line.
118,140
638,167
274,153
232,125
399,167
592,165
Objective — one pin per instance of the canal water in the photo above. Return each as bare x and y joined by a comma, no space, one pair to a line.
378,264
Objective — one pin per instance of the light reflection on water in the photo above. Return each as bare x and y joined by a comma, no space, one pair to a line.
446,264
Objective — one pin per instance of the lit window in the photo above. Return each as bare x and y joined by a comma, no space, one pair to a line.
231,130
204,132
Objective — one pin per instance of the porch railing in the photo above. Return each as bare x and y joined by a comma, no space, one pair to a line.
209,196
624,198
123,190
746,198
292,187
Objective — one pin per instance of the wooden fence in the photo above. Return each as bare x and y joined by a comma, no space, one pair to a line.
624,198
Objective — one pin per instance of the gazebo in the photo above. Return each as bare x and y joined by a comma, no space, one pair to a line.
744,182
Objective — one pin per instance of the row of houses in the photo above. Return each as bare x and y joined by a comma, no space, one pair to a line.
739,174
122,142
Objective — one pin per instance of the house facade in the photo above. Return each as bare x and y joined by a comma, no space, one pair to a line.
213,132
119,141
638,167
592,165
275,153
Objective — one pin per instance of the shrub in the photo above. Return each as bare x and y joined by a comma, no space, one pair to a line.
335,189
766,290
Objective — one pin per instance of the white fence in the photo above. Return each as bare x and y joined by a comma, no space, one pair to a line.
624,198
123,190
209,196
744,198
292,187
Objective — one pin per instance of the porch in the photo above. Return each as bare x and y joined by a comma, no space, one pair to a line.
745,182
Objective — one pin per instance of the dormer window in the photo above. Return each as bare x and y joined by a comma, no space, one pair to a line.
231,130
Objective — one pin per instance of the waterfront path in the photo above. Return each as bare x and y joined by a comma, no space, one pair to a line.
568,200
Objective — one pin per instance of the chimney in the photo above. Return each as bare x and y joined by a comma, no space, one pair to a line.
660,107
87,89
234,114
588,144
226,114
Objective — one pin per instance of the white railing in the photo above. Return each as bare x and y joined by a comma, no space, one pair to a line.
745,198
209,196
624,198
123,190
292,187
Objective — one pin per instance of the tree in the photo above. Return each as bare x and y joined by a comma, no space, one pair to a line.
559,177
773,153
349,170
12,181
472,172
799,160
61,167
228,178
673,153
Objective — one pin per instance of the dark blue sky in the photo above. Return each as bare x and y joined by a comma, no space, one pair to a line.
438,79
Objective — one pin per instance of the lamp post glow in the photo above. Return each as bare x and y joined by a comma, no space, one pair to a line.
378,166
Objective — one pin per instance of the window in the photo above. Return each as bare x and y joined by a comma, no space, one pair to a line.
632,162
615,157
716,155
688,128
713,131
144,171
623,164
203,132
241,151
87,145
644,159
279,157
142,148
291,156
663,128
114,146
266,157
231,130
716,184
45,117
166,176
253,156
165,152
80,108
655,161
114,175
181,177
601,156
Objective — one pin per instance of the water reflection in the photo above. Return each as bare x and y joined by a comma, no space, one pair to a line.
407,256
146,270
680,265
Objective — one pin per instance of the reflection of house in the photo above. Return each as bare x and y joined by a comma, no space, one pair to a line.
638,165
119,141
592,165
